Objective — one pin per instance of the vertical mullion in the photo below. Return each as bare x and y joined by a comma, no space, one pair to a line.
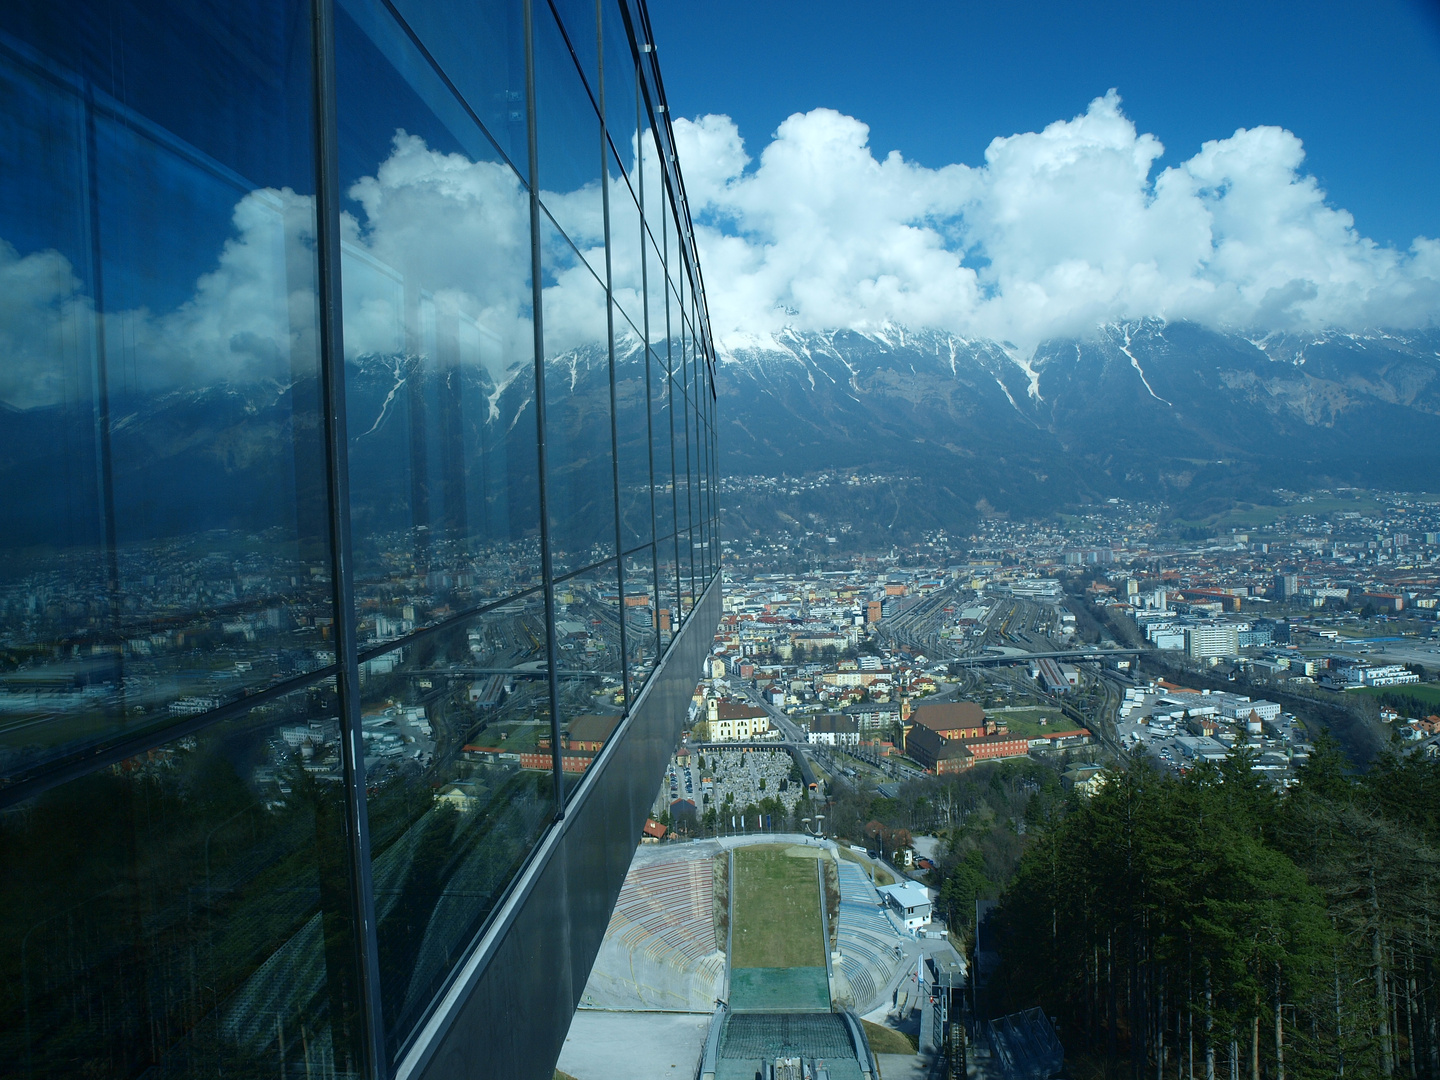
337,468
537,282
686,360
670,393
645,248
715,481
610,338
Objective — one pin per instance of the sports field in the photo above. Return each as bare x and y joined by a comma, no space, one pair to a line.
1026,722
777,910
777,961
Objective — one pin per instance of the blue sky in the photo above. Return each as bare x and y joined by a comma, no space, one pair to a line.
1027,200
1358,82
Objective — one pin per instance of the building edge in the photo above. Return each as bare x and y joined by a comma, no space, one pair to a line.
498,1018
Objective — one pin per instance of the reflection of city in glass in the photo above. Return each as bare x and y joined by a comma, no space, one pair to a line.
249,642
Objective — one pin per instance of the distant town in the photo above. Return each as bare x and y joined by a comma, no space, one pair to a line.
1078,641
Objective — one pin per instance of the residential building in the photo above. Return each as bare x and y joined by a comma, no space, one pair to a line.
1219,639
832,729
874,716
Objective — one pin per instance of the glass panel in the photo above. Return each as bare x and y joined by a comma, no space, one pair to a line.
632,428
620,85
439,341
640,620
702,481
679,514
580,482
625,249
661,430
587,636
654,192
697,510
185,913
656,293
581,18
668,614
481,49
714,491
569,144
162,481
460,789
684,499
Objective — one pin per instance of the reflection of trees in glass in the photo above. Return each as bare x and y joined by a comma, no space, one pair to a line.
437,883
160,916
448,838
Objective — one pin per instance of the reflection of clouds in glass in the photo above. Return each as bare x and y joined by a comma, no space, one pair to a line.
45,326
454,231
254,316
575,314
582,215
440,250
248,320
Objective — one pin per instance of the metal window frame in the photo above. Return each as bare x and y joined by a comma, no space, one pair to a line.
375,1060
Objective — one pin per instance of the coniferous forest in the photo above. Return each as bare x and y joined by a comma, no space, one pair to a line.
1211,926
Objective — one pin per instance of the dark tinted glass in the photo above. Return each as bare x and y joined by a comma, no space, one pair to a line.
456,727
662,422
702,495
668,591
640,623
580,478
186,913
587,633
684,502
439,341
632,433
161,475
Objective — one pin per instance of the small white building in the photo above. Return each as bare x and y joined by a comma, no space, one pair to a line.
911,902
830,729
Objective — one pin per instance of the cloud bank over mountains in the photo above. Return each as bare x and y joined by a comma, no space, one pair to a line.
1059,231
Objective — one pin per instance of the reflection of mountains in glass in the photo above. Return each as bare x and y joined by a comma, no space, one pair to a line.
429,445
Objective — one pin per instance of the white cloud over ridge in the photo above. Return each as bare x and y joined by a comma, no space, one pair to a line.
1059,231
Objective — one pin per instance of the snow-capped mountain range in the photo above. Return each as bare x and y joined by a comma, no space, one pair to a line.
1144,409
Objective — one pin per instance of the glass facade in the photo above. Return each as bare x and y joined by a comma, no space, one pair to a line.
357,471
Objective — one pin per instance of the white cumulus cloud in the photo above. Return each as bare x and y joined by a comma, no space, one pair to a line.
1059,230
